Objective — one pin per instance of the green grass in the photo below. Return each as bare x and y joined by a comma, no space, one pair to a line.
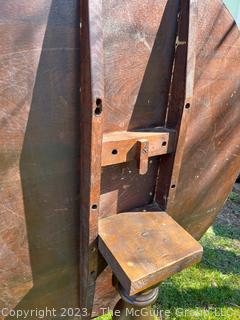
234,197
209,290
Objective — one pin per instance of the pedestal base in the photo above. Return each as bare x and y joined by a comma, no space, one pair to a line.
137,307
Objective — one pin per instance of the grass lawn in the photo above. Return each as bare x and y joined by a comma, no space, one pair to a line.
210,290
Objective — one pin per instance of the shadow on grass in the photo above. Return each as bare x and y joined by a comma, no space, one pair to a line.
221,260
172,297
211,294
226,231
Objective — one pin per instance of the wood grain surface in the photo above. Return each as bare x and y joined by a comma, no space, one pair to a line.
144,248
39,116
40,135
211,161
122,146
180,101
210,157
92,104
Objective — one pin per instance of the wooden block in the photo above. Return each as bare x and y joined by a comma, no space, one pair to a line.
145,248
122,146
143,146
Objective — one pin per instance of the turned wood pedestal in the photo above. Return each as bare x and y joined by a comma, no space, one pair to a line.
136,307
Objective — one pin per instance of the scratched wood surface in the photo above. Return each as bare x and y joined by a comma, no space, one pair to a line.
91,119
136,54
120,146
39,133
145,248
210,157
180,101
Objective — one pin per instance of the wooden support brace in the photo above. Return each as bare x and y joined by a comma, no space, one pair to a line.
143,146
123,146
92,99
179,104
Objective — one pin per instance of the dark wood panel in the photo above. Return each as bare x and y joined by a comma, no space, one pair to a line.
39,142
215,90
39,153
138,61
180,101
123,188
210,162
92,105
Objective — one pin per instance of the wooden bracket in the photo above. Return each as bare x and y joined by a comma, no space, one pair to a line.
124,146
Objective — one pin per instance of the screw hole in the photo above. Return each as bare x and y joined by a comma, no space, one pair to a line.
98,109
94,206
164,143
173,186
114,151
98,101
93,273
187,106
